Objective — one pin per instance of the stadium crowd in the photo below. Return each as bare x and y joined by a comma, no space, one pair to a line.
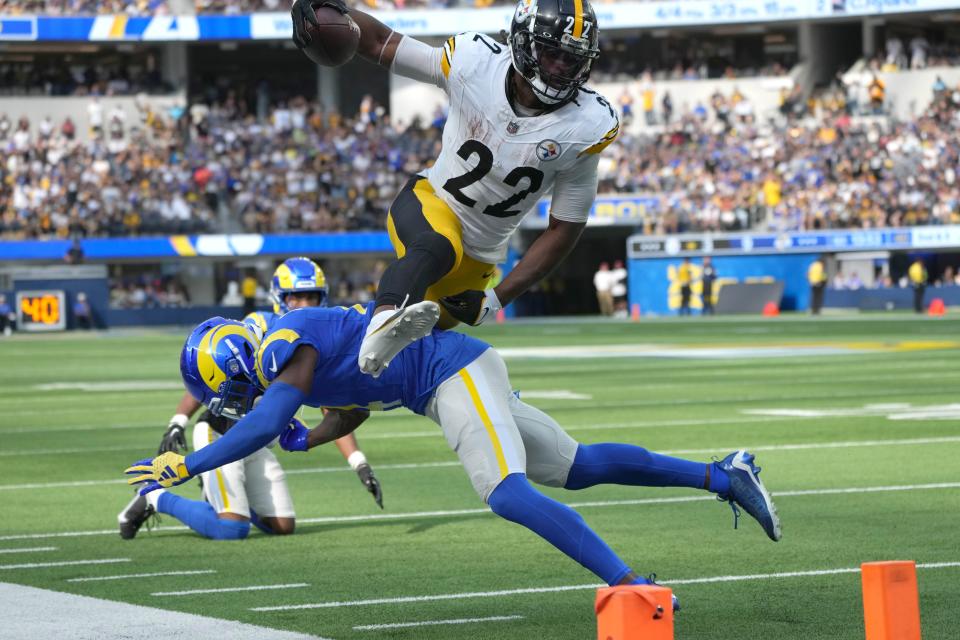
719,166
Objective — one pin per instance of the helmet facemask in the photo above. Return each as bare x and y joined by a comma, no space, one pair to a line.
555,65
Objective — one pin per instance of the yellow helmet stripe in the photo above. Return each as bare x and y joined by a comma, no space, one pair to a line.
577,18
284,276
281,334
212,375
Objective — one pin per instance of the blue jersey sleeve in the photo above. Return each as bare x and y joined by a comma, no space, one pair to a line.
253,432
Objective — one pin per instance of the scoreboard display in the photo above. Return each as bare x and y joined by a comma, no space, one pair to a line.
41,310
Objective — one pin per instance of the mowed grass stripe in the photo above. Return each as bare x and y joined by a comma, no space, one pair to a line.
600,427
387,517
577,587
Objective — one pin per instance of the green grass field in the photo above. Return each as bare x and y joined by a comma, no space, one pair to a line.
854,422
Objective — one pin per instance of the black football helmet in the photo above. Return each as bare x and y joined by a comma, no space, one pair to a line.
553,44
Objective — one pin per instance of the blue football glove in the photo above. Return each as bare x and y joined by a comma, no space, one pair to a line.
165,471
294,437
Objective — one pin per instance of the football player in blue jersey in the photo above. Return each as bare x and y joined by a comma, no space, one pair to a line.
309,357
253,489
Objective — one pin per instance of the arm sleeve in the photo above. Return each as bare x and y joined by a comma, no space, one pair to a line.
419,61
574,191
253,432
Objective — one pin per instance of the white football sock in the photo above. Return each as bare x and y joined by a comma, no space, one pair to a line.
153,496
356,459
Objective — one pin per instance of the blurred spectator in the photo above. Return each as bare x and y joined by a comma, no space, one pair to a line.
602,282
817,277
7,316
82,312
707,278
685,279
618,288
74,254
918,280
148,291
248,289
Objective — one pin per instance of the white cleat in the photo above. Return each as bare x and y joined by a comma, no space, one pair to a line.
405,326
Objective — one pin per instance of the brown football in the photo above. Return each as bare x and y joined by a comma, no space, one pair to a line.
335,41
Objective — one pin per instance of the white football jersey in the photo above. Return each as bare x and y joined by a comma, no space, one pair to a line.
496,165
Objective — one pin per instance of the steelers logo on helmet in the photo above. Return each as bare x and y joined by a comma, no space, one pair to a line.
217,366
300,275
553,44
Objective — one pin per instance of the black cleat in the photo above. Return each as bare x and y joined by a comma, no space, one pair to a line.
134,515
371,483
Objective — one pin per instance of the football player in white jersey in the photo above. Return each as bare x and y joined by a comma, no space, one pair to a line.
521,123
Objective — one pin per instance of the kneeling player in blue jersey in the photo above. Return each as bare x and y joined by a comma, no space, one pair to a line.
252,490
458,382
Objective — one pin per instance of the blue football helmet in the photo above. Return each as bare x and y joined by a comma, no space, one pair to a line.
297,275
217,364
260,322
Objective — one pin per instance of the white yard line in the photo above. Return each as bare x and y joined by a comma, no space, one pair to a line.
453,463
472,512
131,576
29,550
576,587
430,623
65,563
29,613
259,587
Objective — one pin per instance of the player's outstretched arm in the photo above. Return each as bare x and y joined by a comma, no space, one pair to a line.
254,431
378,42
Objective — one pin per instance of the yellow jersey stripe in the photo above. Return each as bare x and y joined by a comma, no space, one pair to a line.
485,418
603,143
220,482
577,19
445,64
452,42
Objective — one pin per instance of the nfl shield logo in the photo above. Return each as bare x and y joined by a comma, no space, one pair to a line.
548,150
513,127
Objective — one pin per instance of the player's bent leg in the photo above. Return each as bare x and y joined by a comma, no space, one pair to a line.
550,450
472,408
201,517
224,514
271,507
515,499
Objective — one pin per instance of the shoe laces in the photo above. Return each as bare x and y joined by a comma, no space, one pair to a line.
749,458
153,521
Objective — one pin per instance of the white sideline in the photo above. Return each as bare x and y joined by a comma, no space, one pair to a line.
65,563
29,550
262,587
130,576
575,587
473,512
455,463
29,613
430,623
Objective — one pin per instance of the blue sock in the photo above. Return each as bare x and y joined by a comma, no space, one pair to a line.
201,517
516,500
258,523
614,463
